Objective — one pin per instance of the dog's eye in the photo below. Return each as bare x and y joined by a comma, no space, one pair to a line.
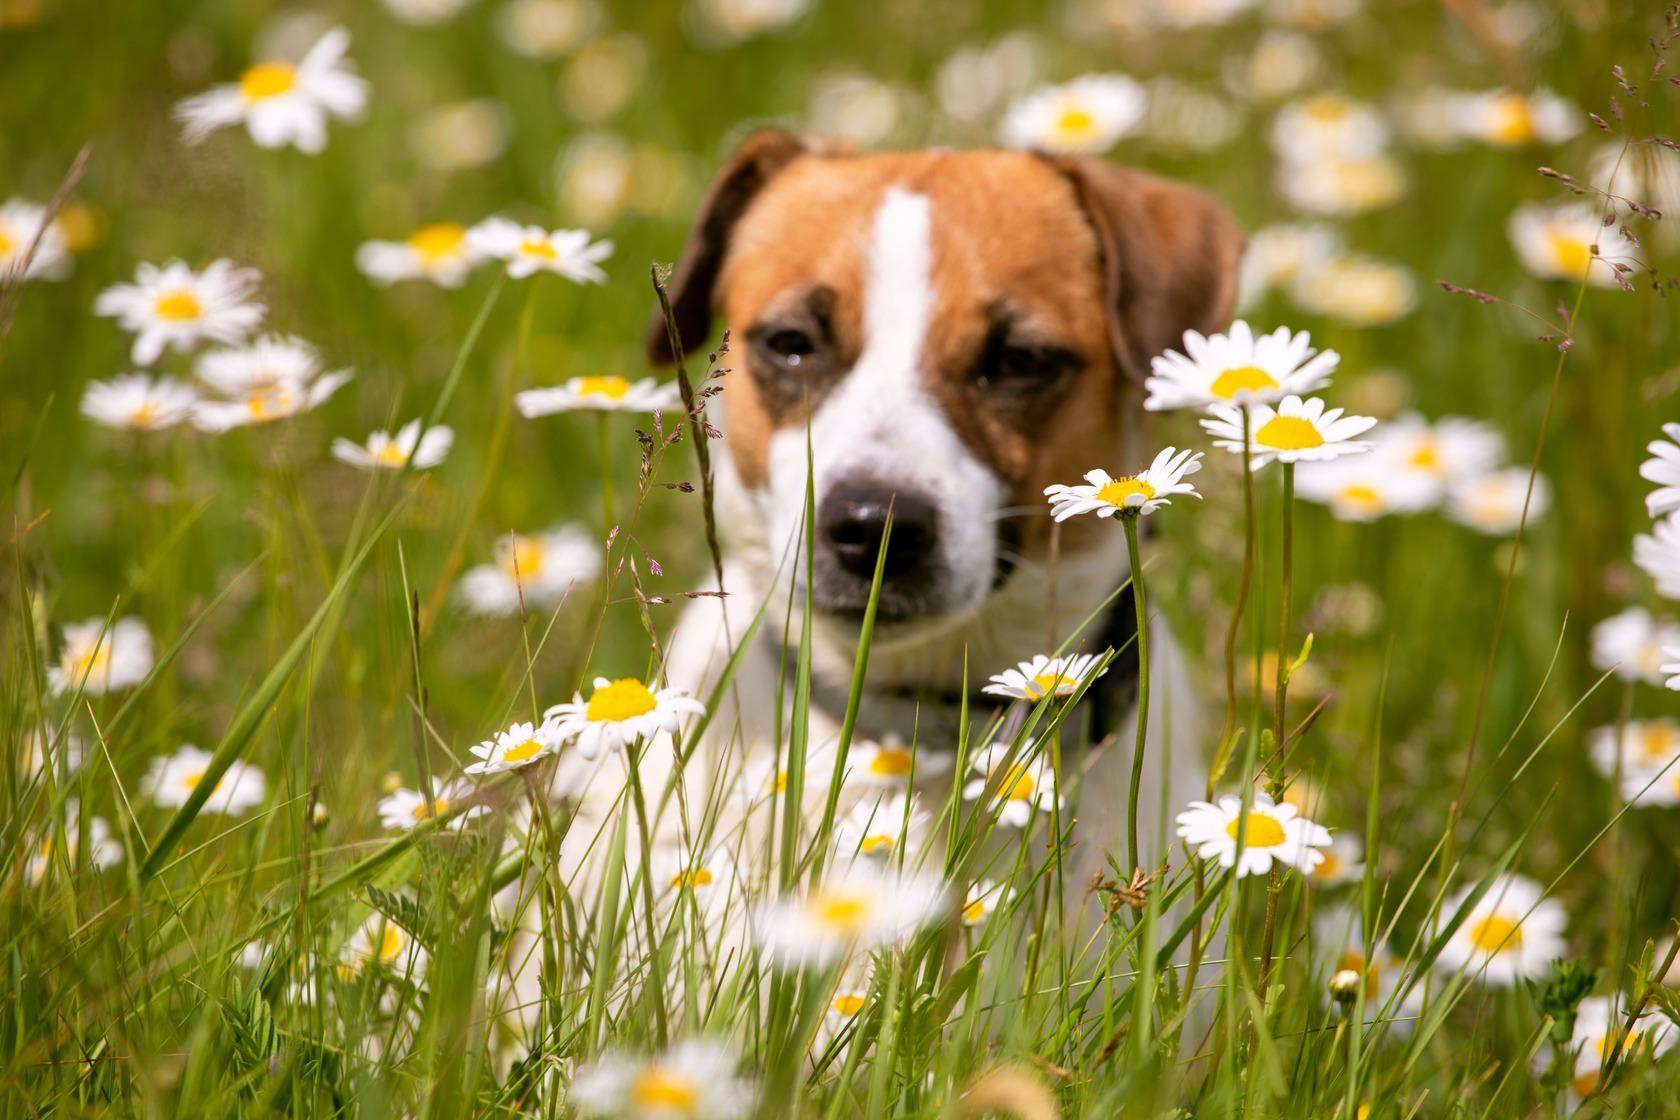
1023,368
789,345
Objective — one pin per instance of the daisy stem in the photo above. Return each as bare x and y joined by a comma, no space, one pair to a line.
1285,591
633,755
1240,606
602,421
1129,523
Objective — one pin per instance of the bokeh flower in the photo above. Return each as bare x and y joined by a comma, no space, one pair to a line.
439,252
280,102
96,659
1567,241
173,306
102,850
1663,468
883,828
598,393
1493,503
408,447
405,808
1021,785
1044,675
272,378
1512,933
1631,645
538,569
693,1080
171,779
858,906
138,402
1087,116
1509,119
529,250
22,225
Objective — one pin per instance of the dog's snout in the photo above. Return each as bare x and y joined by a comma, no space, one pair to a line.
852,521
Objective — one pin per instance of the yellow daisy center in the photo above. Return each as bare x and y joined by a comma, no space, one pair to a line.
268,402
6,244
1427,456
434,808
525,558
1360,497
1241,379
541,249
843,913
189,782
1573,255
267,79
88,662
392,454
524,752
1263,831
657,1088
145,415
391,943
179,306
1513,120
613,388
1043,684
621,700
1496,934
1018,784
849,1003
1326,109
1075,121
1585,1083
1288,433
1328,868
1117,491
694,877
880,843
974,911
438,241
890,762
1656,741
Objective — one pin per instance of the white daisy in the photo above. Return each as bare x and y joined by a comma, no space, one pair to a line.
439,252
708,877
1658,554
1439,451
1364,488
384,451
1493,503
1601,1030
171,779
1632,644
382,944
95,660
281,102
1237,368
1022,787
532,249
1567,241
618,712
1044,676
405,808
1282,253
766,776
520,745
1272,832
176,307
858,907
1647,758
21,225
1343,862
607,393
1663,468
1328,125
272,378
1341,187
102,850
849,1001
1129,495
1507,119
1297,431
1356,289
138,402
1087,116
883,829
693,1080
539,569
1511,934
889,763
982,901
422,13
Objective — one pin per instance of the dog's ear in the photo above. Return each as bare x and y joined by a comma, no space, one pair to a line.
751,165
1169,255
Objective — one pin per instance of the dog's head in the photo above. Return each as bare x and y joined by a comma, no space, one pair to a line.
959,329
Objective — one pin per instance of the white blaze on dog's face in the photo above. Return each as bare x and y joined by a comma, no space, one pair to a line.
952,331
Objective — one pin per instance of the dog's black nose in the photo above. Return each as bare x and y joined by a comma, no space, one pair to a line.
852,519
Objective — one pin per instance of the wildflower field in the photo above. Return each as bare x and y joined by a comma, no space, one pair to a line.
348,524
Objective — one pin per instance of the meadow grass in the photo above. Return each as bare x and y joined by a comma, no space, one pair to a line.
307,622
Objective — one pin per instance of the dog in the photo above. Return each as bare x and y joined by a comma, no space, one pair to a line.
944,334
